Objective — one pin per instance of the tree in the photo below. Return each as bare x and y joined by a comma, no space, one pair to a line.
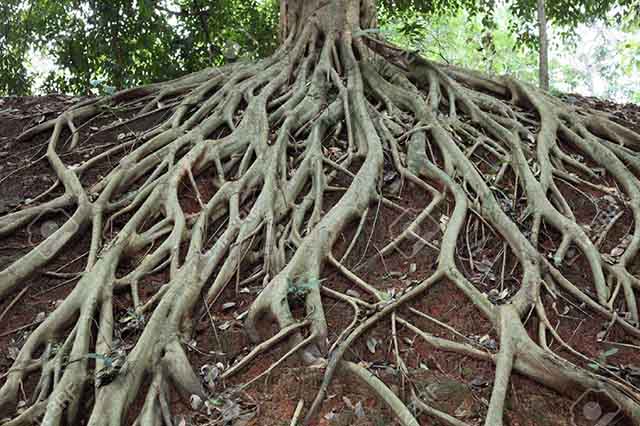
13,70
544,46
328,112
126,43
120,44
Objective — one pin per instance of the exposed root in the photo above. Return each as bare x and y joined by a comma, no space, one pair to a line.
264,148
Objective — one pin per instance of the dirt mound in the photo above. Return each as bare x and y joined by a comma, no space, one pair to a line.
454,384
626,114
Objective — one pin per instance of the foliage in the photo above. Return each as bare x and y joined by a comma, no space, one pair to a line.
436,7
605,63
102,46
14,76
602,358
297,290
464,40
569,14
629,49
566,14
123,43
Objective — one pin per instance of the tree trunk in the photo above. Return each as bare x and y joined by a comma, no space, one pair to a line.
329,15
544,46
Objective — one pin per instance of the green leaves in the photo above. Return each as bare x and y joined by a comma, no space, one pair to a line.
124,43
569,14
298,289
14,77
602,358
464,40
102,87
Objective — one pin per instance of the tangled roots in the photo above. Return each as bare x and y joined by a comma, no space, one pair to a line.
281,157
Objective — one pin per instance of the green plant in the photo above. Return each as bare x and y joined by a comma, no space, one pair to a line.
602,358
298,289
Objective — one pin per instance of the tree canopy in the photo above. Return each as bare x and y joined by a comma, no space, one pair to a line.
124,43
121,43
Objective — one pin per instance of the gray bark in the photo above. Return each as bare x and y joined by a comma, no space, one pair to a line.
544,47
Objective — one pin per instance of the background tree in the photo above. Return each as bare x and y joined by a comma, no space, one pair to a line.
125,43
544,46
468,40
284,160
159,39
14,42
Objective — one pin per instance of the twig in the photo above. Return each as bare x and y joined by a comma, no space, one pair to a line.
13,302
15,330
62,284
215,331
624,345
440,323
373,228
293,350
267,344
296,414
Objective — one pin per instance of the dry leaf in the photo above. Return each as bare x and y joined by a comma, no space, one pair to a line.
372,343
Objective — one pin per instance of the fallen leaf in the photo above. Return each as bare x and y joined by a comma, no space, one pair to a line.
330,415
228,305
351,292
617,251
479,382
389,176
196,402
372,343
444,221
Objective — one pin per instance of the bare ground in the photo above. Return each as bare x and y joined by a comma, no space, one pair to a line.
454,384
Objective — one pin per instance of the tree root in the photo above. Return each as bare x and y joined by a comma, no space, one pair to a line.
273,141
